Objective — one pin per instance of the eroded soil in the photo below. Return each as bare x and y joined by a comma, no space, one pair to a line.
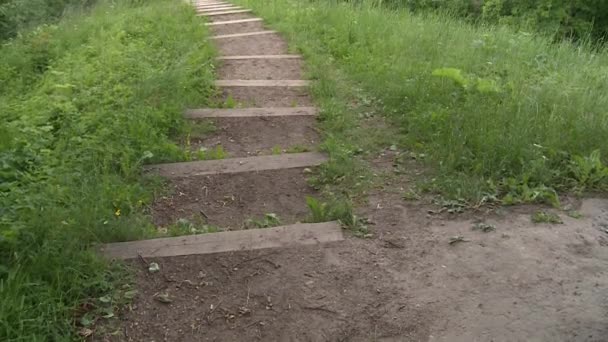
521,282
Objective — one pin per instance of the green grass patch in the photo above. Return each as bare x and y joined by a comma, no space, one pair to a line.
268,221
340,210
542,216
83,105
495,113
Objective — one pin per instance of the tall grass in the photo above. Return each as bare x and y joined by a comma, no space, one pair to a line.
496,112
83,104
19,15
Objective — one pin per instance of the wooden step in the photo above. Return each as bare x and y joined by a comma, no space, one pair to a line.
262,83
207,3
239,21
214,6
227,58
238,35
217,4
234,241
211,14
215,9
238,165
249,112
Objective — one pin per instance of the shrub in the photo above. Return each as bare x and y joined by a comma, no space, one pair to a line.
83,104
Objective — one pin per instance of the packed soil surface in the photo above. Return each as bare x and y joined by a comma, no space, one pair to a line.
420,275
243,137
268,96
255,26
229,200
265,44
521,282
261,69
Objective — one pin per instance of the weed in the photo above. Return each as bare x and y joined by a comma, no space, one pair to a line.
541,216
229,102
276,150
213,153
574,214
484,227
336,210
411,195
268,221
186,227
298,149
200,129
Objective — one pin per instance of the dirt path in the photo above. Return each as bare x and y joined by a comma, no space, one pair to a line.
520,282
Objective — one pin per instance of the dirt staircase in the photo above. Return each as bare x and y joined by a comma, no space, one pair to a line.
274,112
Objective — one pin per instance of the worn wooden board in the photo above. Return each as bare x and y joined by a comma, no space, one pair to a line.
249,112
262,83
237,165
211,14
242,240
208,3
246,34
227,58
216,9
239,21
214,5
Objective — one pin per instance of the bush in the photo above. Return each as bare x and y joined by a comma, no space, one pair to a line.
17,15
576,19
83,104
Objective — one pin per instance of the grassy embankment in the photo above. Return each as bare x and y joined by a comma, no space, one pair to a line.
495,115
83,104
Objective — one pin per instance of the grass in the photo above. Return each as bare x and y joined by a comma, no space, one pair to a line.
542,216
84,103
268,221
340,210
496,114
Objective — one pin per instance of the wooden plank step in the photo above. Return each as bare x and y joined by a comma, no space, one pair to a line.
224,4
249,112
262,83
215,9
238,165
233,241
204,3
215,4
211,14
247,34
227,58
238,21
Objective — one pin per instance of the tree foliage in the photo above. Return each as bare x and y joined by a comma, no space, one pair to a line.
564,19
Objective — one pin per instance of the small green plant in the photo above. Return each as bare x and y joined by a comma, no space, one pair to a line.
541,216
298,149
200,129
336,210
268,221
411,195
276,150
589,172
214,153
574,214
230,102
186,227
484,227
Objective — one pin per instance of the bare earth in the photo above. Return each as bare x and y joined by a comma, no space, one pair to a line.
521,282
